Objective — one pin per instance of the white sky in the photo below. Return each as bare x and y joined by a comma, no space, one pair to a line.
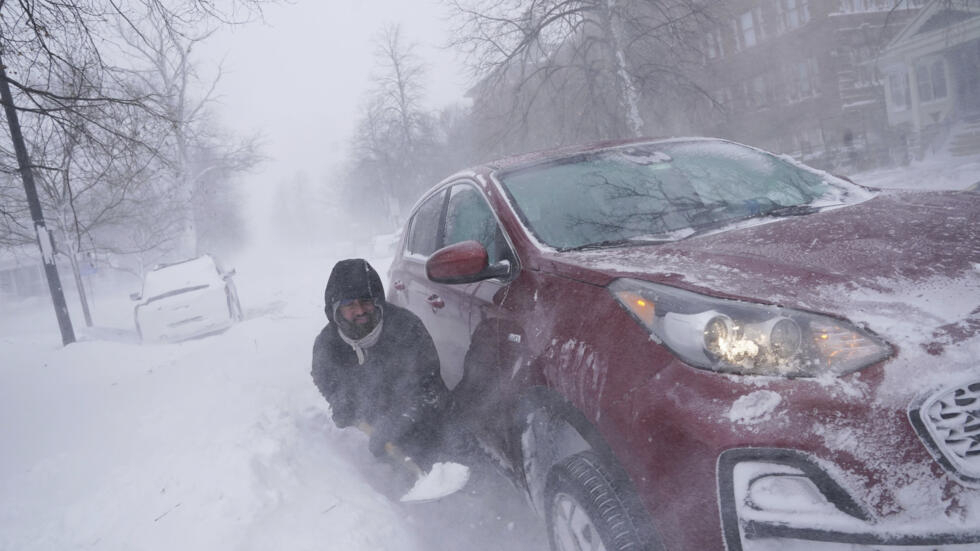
300,77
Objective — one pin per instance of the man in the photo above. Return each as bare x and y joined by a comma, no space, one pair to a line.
377,366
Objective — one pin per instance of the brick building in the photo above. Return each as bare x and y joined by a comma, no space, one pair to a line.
800,77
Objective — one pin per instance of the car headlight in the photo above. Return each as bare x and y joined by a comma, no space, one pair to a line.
731,336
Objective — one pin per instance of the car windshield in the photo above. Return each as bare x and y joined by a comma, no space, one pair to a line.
662,192
192,273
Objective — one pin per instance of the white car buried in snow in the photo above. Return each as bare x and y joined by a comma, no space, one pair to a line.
186,299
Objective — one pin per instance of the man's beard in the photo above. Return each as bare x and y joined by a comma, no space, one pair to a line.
357,331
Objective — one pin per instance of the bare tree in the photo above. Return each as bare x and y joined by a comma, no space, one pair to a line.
393,146
41,41
192,146
561,70
97,185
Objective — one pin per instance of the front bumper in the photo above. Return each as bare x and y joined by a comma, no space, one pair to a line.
185,315
822,516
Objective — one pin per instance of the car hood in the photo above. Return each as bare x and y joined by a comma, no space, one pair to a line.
905,265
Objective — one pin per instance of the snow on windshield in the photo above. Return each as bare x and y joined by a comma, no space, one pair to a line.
192,273
642,192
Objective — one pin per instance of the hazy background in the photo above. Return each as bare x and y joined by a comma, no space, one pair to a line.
300,77
296,162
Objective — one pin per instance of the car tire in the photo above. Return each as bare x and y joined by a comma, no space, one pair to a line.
585,510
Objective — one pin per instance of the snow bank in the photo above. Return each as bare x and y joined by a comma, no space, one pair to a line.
210,444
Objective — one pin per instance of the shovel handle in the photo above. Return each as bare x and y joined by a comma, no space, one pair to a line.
394,452
399,456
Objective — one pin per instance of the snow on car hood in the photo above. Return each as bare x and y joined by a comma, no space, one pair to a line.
905,265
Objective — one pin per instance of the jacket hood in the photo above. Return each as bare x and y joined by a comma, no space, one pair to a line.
352,278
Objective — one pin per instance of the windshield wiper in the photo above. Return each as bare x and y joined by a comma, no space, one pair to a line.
610,243
790,210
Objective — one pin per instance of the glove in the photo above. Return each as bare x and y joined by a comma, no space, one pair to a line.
392,432
376,443
343,415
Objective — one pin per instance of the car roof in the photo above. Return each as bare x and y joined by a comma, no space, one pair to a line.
544,156
185,261
525,160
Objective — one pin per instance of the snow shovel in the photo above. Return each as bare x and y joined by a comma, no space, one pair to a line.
442,480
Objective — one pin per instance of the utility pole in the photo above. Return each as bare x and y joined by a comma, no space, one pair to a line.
44,241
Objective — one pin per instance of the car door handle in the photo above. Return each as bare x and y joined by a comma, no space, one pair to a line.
399,286
435,301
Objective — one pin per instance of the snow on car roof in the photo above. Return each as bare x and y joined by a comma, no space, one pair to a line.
189,273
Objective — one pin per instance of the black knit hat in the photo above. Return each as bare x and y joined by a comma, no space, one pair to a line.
352,278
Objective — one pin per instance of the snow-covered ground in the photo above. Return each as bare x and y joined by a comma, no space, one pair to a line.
211,444
223,442
937,172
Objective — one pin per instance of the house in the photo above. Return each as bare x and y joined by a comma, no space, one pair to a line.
21,273
933,75
798,77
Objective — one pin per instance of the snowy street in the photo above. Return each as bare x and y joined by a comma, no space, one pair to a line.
216,443
590,275
223,442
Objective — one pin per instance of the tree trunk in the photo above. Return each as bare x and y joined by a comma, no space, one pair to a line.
80,285
629,96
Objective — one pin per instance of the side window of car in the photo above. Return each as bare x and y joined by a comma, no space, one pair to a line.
424,237
468,217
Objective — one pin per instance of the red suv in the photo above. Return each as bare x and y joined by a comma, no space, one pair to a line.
692,344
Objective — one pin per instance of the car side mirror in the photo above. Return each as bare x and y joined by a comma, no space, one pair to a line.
228,274
463,262
135,296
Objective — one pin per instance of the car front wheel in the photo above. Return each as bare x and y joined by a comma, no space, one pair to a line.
585,511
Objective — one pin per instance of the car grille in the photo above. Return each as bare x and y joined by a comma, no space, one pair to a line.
949,422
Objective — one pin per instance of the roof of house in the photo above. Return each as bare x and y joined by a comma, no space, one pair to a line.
939,25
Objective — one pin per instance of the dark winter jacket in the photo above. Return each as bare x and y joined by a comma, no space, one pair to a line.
398,390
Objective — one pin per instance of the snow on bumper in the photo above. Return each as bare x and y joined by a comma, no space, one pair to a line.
948,422
184,315
784,499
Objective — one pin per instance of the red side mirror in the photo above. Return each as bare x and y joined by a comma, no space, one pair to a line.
462,262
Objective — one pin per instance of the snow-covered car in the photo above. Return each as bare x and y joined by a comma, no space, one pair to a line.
691,344
186,299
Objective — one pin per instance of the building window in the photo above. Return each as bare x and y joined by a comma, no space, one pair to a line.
746,34
930,80
712,44
760,27
760,92
898,87
862,59
802,80
792,13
